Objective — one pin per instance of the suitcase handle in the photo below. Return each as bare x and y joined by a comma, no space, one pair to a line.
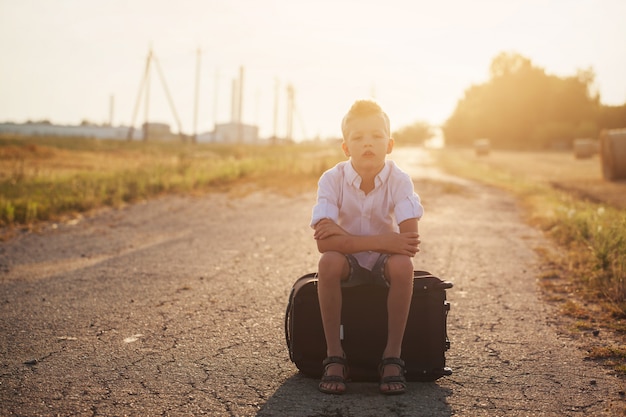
445,285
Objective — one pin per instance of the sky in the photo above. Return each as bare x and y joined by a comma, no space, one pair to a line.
69,61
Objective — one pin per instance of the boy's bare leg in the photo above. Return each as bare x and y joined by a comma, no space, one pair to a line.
399,271
333,267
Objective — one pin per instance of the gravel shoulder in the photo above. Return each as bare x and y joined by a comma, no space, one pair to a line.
175,307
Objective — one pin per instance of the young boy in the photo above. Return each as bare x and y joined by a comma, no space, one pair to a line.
365,223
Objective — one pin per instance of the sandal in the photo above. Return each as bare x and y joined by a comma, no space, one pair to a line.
337,379
392,379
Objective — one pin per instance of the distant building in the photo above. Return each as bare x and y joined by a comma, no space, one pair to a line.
87,131
158,131
223,133
232,133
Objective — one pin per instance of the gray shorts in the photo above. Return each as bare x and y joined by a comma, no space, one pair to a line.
359,275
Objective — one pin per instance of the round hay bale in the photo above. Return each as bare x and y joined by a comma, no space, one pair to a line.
584,148
482,147
613,153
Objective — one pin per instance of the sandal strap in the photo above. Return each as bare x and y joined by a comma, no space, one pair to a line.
333,378
392,361
331,360
338,379
393,379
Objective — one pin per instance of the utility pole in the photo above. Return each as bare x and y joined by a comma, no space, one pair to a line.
215,97
195,109
145,85
169,99
276,94
141,88
240,105
146,122
290,108
111,108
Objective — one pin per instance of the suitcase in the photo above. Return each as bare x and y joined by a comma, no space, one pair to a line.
364,329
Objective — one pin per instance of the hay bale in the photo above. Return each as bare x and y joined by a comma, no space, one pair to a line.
584,148
613,153
482,147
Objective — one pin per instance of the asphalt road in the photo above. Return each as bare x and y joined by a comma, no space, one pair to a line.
175,307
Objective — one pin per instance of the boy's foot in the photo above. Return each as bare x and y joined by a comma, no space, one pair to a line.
392,379
334,378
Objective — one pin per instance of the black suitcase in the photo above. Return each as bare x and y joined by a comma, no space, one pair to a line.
364,329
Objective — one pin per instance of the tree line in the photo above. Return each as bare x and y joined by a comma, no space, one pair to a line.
523,107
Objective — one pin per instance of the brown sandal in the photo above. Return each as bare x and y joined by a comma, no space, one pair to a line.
392,379
340,380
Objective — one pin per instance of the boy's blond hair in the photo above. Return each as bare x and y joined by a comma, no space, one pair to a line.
364,108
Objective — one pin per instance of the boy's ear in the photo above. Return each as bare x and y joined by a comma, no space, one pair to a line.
346,151
390,145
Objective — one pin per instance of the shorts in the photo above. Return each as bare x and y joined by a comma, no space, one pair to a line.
359,275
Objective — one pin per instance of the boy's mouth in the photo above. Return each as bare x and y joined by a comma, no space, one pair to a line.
368,154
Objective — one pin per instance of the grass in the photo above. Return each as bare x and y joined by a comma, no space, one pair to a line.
611,355
52,178
587,275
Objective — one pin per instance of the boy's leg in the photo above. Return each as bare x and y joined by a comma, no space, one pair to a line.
333,267
399,273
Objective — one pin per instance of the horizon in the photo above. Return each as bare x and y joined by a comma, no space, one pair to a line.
416,59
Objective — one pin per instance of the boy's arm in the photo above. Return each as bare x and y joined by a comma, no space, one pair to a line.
331,237
409,225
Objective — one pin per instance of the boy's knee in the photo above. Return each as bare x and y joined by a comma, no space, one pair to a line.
331,258
333,261
399,267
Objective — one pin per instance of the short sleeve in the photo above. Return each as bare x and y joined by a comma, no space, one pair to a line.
328,194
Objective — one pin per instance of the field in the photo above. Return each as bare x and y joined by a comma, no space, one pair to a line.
53,178
583,214
560,170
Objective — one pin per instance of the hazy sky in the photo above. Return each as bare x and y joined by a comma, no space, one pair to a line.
63,60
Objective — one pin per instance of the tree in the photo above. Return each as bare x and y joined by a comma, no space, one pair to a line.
522,107
415,134
507,63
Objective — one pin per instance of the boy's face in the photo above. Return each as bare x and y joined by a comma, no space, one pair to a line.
367,142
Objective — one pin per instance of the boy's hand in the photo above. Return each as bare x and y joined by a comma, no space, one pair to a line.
406,243
326,228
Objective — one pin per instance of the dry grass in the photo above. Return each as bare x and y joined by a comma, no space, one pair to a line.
581,178
611,355
49,178
584,216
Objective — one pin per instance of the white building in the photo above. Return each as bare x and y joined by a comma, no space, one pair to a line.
224,133
87,131
232,133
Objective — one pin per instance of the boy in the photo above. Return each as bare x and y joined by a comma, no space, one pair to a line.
365,223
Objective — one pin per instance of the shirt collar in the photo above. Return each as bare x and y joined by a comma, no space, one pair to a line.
353,177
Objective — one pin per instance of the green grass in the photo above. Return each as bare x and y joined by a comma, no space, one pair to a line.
595,237
48,178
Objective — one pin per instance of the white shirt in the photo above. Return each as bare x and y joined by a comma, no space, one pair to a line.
392,201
